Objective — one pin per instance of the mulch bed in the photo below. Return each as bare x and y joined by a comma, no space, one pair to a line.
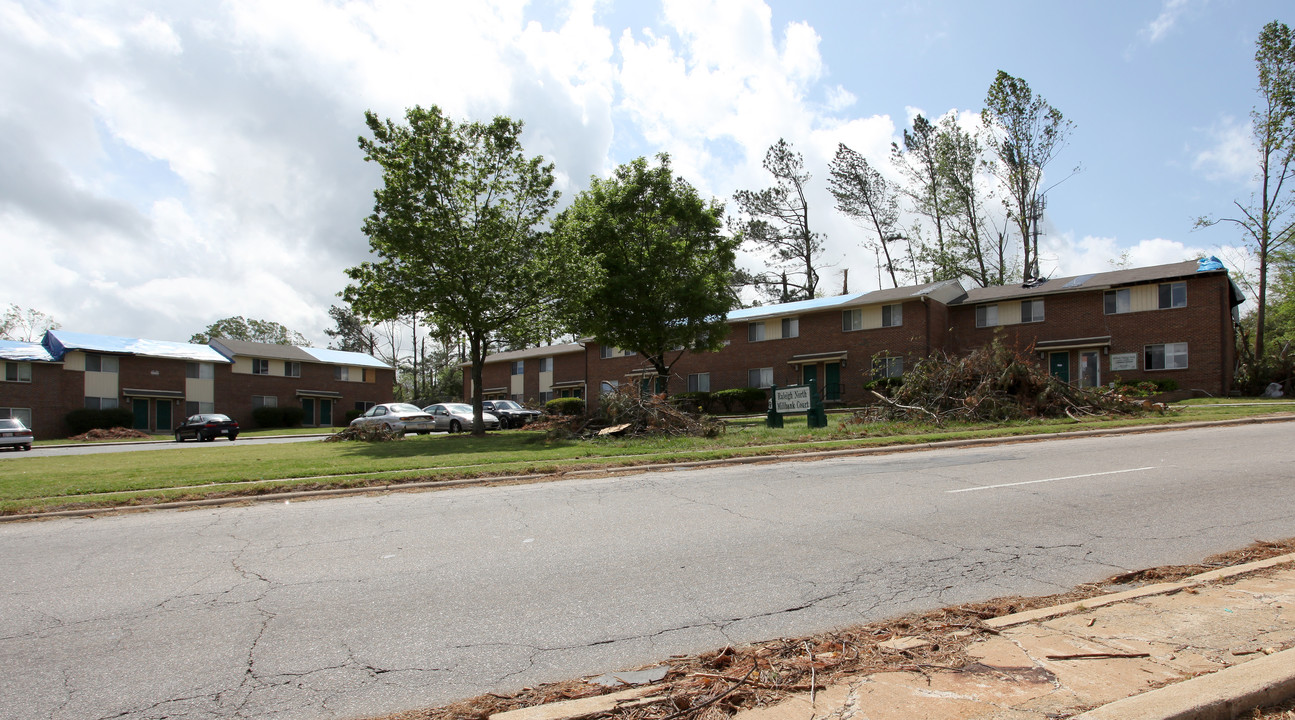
117,433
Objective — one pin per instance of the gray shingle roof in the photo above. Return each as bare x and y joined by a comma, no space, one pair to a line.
1085,283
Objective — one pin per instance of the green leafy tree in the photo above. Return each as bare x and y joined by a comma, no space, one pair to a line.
663,268
979,250
25,324
1266,219
778,222
864,195
1025,133
250,330
456,228
918,159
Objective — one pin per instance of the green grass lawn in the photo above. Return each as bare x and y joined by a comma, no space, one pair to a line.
33,484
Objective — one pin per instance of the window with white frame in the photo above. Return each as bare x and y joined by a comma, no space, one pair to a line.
606,352
100,403
892,315
199,371
791,327
986,316
22,415
754,332
546,364
260,401
363,405
292,369
887,367
699,382
260,366
1169,356
1117,301
101,363
607,386
1031,311
851,320
341,372
759,377
516,397
17,372
517,367
1173,295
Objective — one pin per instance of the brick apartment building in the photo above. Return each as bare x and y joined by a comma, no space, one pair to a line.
164,382
1164,322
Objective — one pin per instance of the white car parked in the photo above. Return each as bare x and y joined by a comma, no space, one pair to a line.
13,434
396,417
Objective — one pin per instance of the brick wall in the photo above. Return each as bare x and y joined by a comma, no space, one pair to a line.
234,391
44,396
1205,324
819,332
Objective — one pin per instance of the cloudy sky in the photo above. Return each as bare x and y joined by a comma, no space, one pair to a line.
166,163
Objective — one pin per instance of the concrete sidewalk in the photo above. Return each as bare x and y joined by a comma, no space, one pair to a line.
1200,648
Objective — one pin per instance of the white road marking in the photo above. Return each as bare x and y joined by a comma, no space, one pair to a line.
1068,477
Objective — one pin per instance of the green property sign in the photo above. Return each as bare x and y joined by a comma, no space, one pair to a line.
796,399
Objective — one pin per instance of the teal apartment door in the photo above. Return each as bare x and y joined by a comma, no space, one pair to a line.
308,411
1059,366
808,374
140,407
325,413
832,381
164,415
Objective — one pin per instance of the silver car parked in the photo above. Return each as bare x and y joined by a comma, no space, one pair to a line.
396,417
454,417
13,434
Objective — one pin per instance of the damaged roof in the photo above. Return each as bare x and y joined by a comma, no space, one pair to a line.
24,352
243,348
344,357
873,297
1092,281
59,342
537,352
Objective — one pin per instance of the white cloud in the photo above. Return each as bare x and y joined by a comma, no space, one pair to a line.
1231,157
1170,12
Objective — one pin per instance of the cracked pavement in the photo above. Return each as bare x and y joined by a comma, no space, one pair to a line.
361,606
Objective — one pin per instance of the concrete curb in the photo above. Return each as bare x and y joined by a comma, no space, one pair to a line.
1222,695
1145,591
613,471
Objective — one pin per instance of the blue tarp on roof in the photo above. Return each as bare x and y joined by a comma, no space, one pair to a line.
24,352
793,307
342,357
59,342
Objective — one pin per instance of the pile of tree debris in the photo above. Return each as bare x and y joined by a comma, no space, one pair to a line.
628,411
994,383
366,433
117,433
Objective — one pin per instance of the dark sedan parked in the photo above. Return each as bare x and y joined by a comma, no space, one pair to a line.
207,427
510,414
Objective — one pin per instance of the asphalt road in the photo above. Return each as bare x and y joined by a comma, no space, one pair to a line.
360,606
